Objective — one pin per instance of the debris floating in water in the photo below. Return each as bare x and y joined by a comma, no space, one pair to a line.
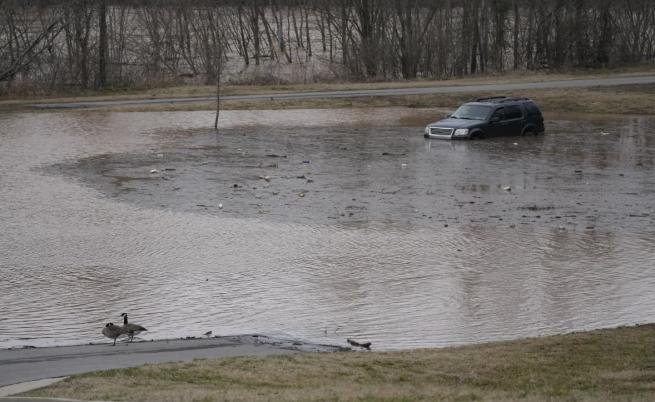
365,345
507,188
154,171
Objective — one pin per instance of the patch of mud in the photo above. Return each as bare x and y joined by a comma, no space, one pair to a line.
577,175
291,344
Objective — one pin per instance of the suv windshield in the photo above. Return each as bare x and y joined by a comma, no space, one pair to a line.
471,112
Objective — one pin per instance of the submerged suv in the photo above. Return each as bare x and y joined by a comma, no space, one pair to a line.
489,117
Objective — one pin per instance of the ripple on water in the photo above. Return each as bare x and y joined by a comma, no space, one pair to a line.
435,252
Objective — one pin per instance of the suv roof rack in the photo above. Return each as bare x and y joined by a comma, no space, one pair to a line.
490,98
502,99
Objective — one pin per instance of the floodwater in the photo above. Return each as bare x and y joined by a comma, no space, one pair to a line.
320,225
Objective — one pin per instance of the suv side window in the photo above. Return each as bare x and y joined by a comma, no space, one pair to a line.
513,112
532,109
499,113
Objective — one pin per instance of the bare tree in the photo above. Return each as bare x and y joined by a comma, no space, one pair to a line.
219,58
411,23
21,44
102,43
79,44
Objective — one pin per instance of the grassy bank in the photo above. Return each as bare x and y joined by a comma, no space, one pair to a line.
620,100
627,99
244,89
608,365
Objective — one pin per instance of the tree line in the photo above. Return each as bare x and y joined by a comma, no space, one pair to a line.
81,44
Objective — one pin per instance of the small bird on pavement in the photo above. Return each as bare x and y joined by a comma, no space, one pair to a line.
366,345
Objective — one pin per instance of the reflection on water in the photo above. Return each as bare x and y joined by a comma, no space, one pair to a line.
397,240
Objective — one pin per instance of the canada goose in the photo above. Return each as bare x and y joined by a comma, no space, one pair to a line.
366,345
112,331
131,329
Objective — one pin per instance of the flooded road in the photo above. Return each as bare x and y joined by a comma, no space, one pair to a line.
321,225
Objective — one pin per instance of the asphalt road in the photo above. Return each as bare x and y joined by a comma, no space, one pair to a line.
22,365
559,84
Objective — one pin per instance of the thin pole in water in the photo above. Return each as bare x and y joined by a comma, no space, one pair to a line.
218,100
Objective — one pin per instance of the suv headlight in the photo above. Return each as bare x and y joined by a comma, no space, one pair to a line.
462,132
427,130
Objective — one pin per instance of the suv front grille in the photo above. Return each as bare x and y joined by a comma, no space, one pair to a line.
441,131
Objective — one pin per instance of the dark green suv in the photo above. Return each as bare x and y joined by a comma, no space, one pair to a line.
489,117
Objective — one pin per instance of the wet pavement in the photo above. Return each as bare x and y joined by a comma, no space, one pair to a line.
321,225
26,365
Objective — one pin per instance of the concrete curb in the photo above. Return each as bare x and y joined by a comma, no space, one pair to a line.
28,399
21,387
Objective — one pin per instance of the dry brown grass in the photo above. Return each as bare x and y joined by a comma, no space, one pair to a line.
628,99
607,365
621,100
209,90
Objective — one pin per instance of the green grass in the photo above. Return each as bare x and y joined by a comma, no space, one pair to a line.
607,365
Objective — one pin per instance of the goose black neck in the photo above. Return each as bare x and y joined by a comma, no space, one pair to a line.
125,319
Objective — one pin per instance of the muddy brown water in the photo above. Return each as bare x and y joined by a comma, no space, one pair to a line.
321,225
